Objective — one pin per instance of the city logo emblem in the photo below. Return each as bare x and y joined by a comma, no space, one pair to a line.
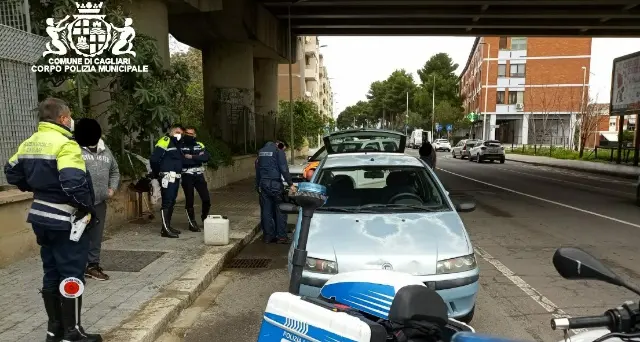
89,36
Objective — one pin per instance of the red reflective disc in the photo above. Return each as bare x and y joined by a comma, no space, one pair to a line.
71,288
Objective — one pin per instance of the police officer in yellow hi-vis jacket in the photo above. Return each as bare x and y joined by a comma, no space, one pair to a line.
166,166
50,165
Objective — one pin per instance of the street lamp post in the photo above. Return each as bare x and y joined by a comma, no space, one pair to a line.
406,121
433,108
486,92
582,122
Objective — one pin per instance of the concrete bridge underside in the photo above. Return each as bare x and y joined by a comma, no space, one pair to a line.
242,41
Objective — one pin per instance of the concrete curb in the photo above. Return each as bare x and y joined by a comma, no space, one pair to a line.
148,323
573,168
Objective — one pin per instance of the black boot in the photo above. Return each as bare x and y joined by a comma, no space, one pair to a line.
169,216
191,217
165,230
73,331
53,307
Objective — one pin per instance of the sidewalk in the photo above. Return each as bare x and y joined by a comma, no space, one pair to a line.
624,171
152,278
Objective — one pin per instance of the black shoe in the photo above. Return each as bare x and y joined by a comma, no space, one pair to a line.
165,229
283,241
52,305
191,217
270,240
73,331
169,215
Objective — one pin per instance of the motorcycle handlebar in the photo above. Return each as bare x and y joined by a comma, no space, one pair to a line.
602,321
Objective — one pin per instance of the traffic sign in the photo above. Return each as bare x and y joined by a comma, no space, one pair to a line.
71,288
449,127
438,127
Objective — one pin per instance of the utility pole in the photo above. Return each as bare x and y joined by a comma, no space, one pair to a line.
290,84
406,121
486,95
382,123
582,116
433,108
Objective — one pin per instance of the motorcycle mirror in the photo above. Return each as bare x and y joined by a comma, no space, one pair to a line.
576,264
288,208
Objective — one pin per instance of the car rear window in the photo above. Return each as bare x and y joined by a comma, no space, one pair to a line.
493,143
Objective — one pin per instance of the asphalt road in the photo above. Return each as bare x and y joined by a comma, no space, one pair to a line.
523,214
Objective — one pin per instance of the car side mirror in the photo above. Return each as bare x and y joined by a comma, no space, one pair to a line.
288,208
309,158
465,206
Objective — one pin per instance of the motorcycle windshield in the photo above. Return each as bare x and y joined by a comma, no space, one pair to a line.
474,337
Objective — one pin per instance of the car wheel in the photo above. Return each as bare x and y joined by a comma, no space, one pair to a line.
468,317
453,154
502,161
469,158
478,160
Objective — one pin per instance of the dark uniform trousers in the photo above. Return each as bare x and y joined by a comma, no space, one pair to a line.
273,221
61,257
169,195
199,183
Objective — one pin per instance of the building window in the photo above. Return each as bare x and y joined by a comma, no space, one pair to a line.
516,97
503,43
307,61
517,70
502,70
519,43
500,97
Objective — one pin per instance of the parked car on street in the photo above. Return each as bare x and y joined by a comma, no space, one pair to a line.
388,210
487,150
442,145
462,148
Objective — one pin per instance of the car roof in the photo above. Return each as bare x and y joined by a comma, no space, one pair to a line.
370,159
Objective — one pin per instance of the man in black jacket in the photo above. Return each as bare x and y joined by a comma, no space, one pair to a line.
195,156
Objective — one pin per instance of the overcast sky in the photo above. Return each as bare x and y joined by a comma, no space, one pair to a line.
355,62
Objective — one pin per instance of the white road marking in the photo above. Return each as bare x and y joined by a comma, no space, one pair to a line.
537,297
564,181
545,200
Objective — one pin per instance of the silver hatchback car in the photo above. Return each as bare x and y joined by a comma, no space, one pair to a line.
388,210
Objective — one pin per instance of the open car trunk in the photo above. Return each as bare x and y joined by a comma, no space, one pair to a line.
365,140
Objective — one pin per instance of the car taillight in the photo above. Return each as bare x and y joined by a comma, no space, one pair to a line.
483,148
464,147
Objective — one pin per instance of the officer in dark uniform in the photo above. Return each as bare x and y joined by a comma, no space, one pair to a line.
50,165
271,167
195,155
166,165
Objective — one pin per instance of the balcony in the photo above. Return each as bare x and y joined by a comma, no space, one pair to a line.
311,73
511,82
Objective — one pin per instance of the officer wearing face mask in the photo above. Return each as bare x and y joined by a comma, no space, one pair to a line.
166,166
50,165
195,155
271,167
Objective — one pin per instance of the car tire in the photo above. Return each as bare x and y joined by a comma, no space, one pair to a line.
468,317
478,159
453,154
469,158
502,161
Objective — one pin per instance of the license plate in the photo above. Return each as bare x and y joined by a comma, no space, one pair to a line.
493,150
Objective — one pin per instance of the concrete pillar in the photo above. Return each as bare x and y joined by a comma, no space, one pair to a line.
525,129
266,98
151,18
492,127
100,100
228,82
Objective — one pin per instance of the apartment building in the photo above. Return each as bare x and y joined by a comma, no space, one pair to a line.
529,88
606,132
310,77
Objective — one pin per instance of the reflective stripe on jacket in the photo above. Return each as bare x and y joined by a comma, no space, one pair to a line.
198,159
166,156
50,165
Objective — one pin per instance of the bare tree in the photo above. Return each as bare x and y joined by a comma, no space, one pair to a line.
588,122
544,105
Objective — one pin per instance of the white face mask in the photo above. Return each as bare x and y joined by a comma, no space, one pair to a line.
72,126
178,136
